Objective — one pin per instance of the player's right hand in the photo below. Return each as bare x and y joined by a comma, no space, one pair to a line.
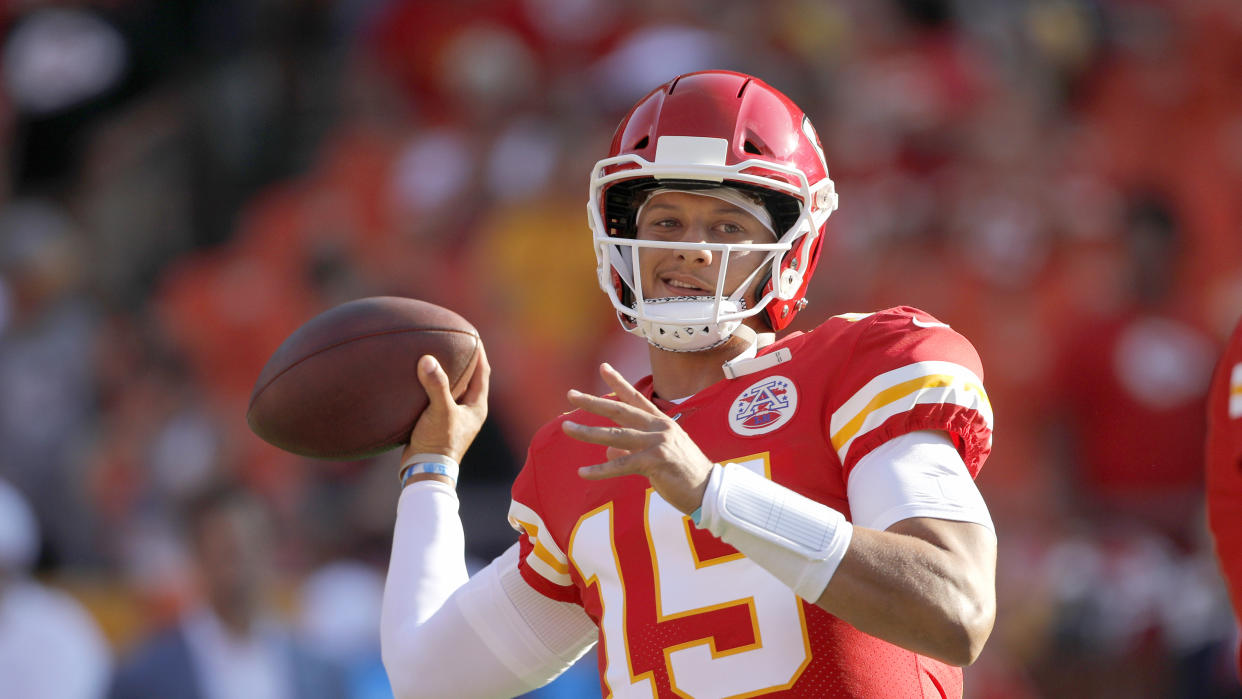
644,441
449,426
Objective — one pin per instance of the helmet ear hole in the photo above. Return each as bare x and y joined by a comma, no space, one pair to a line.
791,281
642,143
751,147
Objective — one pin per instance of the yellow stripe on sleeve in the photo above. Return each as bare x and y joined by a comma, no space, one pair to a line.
900,390
885,397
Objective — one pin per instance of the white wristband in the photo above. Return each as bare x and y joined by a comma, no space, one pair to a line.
438,464
796,539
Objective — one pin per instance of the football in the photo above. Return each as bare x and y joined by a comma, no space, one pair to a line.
345,385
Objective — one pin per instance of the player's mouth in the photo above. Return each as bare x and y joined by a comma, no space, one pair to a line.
678,285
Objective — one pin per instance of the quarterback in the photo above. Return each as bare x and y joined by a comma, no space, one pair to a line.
1224,468
761,515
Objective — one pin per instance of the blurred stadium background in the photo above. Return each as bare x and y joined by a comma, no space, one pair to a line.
187,181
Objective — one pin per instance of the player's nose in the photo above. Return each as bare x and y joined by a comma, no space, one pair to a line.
695,256
698,235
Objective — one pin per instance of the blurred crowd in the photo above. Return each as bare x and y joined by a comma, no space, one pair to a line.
186,181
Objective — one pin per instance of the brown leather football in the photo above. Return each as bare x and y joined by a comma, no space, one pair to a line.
345,384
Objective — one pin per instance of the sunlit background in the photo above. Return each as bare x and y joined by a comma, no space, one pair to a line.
187,181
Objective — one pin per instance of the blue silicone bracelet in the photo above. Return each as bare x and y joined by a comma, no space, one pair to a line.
430,463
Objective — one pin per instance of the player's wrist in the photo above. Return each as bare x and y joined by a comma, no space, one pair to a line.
697,515
437,448
800,541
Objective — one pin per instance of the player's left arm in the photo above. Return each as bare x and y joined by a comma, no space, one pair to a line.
916,510
924,583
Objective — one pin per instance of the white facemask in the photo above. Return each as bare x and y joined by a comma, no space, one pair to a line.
696,323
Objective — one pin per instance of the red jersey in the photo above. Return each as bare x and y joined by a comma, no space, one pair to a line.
683,614
1224,467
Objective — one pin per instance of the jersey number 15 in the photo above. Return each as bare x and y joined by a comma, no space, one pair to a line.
686,586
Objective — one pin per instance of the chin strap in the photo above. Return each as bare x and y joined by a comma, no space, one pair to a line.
663,322
746,362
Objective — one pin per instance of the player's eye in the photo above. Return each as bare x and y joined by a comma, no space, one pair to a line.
663,226
731,230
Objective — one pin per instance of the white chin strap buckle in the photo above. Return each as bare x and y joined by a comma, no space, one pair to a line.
663,322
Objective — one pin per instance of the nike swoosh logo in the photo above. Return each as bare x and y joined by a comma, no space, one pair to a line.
925,324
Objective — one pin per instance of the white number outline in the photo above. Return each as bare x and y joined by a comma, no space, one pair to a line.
644,685
608,643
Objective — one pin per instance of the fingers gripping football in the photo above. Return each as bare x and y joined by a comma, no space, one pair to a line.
644,441
449,426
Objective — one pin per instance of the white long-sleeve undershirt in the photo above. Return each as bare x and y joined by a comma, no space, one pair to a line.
446,635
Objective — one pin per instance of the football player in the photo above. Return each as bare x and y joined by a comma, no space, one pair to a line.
1224,467
792,516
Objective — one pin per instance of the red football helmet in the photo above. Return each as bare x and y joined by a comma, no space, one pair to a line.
705,130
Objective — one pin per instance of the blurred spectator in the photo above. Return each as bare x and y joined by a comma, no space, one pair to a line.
1134,384
1128,614
155,442
61,66
50,647
231,645
340,612
46,384
1133,603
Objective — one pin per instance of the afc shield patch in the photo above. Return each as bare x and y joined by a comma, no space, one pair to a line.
766,405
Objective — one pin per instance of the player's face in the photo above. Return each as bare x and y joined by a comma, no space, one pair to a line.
693,218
